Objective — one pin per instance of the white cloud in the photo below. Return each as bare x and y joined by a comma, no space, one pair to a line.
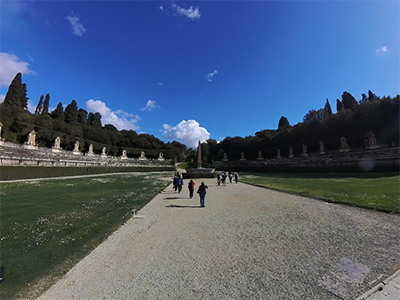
150,105
32,106
76,26
160,83
192,13
187,132
10,66
120,119
382,50
161,7
209,76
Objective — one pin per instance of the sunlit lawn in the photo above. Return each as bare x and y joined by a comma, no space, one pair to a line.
47,226
379,191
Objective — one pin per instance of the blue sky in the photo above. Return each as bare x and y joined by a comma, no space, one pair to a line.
190,70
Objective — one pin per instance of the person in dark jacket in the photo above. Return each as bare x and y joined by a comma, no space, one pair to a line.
191,188
202,192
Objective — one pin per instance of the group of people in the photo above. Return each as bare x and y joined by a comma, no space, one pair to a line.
202,190
221,179
177,182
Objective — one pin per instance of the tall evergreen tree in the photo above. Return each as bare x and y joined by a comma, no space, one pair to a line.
16,94
39,107
283,122
71,112
348,100
327,108
58,113
46,104
372,96
339,105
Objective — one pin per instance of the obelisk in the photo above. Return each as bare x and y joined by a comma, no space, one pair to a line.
199,156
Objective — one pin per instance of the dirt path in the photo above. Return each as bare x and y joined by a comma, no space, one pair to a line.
247,243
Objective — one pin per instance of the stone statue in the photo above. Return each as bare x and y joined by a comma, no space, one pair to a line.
371,138
57,142
304,150
321,147
290,152
278,153
31,138
242,157
103,152
225,157
260,155
160,156
142,156
76,147
372,143
91,149
343,145
123,156
1,139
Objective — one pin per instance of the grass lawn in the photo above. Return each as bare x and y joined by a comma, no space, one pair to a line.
47,226
378,191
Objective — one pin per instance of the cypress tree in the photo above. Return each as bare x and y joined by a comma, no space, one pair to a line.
339,105
71,112
46,104
16,94
327,108
39,107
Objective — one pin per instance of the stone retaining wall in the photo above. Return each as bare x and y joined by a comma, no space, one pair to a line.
356,159
20,155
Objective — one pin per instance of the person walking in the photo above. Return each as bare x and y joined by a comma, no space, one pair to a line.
180,184
202,192
191,188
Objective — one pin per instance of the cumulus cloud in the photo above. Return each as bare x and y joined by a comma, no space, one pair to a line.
120,119
382,50
209,76
193,13
77,27
187,132
150,105
10,66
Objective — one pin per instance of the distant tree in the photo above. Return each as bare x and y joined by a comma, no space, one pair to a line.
327,108
364,98
39,107
82,116
339,105
71,112
372,96
58,113
348,100
314,116
46,104
16,94
283,123
94,119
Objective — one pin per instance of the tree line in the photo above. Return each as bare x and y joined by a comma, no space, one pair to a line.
74,124
353,120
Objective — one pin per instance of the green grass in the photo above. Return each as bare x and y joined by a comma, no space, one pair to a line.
378,191
47,226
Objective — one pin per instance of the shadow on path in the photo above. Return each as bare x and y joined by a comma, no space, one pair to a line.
183,206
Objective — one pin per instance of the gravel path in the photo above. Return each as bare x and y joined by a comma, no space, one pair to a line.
247,243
